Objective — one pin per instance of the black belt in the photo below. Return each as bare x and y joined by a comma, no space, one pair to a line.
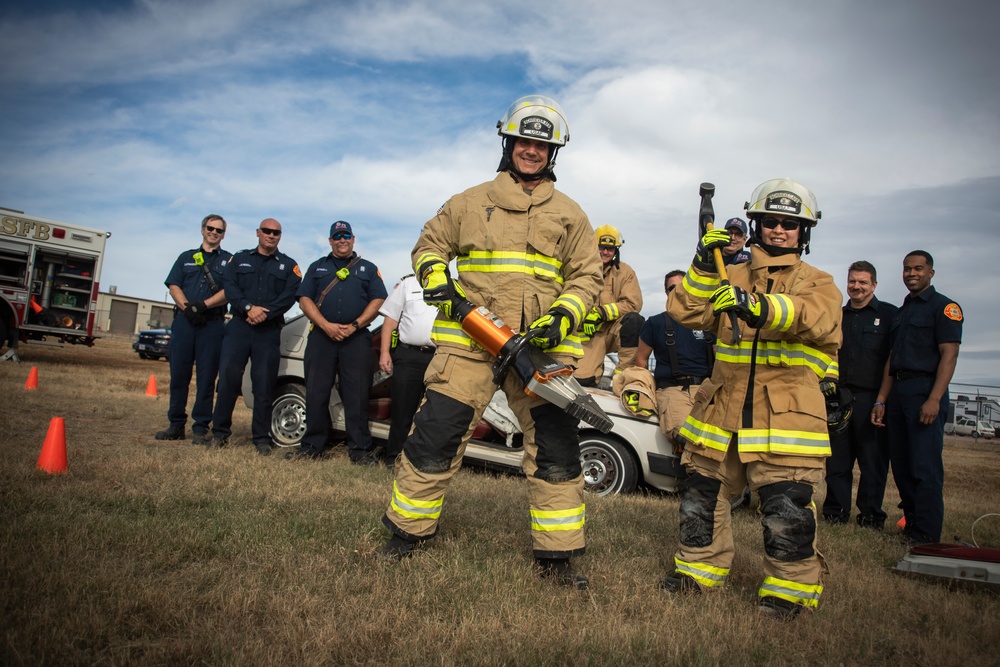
906,375
418,348
679,381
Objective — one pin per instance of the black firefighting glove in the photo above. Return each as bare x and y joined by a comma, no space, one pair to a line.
439,288
195,313
828,387
554,325
703,256
751,308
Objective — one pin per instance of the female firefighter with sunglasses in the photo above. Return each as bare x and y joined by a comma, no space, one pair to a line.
761,417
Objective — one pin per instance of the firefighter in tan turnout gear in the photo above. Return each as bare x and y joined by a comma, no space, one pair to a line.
613,324
526,252
761,417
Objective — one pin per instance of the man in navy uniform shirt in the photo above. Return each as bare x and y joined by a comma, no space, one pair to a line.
340,294
195,284
863,353
683,361
260,284
912,402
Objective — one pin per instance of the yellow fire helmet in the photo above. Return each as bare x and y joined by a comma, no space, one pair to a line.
608,236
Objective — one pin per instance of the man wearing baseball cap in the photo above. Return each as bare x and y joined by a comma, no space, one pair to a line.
340,294
736,252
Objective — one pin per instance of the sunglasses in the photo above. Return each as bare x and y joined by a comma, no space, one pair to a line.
342,235
772,223
217,230
272,232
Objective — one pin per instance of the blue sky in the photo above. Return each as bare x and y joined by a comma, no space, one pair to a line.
142,117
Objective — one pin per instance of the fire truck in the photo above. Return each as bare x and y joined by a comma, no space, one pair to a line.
49,277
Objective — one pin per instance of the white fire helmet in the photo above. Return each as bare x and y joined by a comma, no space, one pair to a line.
784,197
535,117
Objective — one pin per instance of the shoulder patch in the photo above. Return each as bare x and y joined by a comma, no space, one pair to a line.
296,271
953,312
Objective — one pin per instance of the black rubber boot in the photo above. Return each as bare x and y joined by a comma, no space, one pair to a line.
680,583
560,571
778,608
396,549
172,432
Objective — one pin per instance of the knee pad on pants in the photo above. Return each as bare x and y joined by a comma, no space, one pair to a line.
631,324
558,442
789,522
699,497
438,429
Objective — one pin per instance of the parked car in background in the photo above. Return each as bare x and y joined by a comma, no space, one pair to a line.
152,343
634,452
968,426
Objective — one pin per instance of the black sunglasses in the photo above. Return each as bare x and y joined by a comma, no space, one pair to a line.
772,223
272,232
342,235
217,230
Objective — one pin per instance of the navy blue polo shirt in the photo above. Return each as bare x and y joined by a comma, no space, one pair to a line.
692,348
268,281
924,321
346,300
865,344
187,274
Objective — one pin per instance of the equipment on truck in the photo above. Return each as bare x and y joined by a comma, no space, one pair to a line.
49,279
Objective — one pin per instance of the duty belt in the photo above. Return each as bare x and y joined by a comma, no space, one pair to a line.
418,348
679,381
906,375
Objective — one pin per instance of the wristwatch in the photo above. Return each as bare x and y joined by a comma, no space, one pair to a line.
355,324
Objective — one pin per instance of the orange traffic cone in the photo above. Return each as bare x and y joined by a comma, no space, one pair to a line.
32,382
151,386
53,457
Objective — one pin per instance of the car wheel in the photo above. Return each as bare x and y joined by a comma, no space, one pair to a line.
608,466
288,415
975,434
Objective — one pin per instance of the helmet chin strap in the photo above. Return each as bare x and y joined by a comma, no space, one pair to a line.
507,163
756,238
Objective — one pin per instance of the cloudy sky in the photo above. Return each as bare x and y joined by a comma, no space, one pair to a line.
141,117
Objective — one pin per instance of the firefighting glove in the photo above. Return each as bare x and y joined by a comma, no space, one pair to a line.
195,313
703,256
439,288
751,308
828,387
592,322
554,326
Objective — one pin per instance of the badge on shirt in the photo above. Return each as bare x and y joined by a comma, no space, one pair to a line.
953,312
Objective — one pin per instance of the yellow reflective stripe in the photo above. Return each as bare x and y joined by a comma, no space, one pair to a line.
573,304
705,435
706,575
552,520
783,311
611,311
777,353
415,509
782,441
833,372
571,344
448,331
425,258
806,595
699,285
487,261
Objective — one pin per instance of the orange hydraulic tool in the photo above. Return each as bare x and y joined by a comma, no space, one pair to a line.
540,374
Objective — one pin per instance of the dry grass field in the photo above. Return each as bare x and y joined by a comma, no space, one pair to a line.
160,553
